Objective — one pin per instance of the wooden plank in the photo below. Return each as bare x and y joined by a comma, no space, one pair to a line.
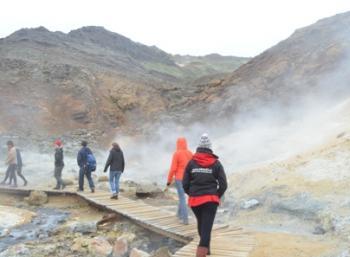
133,208
151,218
185,230
92,195
187,227
166,222
173,227
119,204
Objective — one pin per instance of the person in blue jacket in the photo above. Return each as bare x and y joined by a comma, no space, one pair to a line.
82,160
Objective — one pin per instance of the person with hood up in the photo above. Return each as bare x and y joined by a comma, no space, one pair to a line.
179,161
205,183
59,164
116,165
84,170
11,161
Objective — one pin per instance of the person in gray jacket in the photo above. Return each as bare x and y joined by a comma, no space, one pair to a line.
116,165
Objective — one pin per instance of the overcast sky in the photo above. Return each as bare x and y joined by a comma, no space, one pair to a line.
197,27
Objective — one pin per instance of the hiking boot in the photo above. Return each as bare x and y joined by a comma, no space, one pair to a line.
63,186
25,183
80,190
13,186
114,196
92,190
56,188
201,251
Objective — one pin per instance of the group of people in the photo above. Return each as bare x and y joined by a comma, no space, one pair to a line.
87,164
200,175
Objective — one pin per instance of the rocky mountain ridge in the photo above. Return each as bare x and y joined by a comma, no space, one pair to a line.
90,78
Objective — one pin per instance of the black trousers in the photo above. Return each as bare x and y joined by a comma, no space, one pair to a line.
11,173
58,176
20,174
205,215
7,175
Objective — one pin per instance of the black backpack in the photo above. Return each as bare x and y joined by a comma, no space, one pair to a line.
19,158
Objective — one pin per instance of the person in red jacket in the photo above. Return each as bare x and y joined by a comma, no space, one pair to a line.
205,183
180,159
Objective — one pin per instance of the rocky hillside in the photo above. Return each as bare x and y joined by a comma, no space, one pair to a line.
91,78
313,62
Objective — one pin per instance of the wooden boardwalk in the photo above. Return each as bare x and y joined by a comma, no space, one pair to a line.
226,241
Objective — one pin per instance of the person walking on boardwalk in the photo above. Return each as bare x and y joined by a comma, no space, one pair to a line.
205,183
179,161
116,165
59,164
83,159
19,167
11,161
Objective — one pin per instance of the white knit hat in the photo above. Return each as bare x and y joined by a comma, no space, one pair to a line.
204,141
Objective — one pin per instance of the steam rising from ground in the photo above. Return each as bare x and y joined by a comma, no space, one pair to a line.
262,136
268,134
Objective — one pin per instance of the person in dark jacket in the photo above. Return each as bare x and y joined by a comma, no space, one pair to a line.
19,167
59,164
205,183
116,165
82,160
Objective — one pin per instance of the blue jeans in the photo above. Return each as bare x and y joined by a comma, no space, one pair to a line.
114,177
182,212
87,173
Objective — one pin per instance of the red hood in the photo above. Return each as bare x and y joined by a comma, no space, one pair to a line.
204,159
